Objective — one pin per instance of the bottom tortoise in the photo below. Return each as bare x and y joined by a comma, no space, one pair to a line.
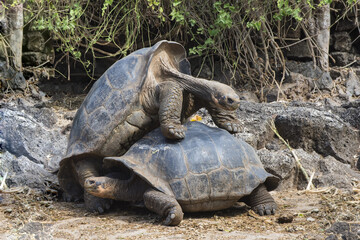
208,170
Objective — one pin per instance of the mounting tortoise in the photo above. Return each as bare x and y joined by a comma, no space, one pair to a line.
209,170
151,87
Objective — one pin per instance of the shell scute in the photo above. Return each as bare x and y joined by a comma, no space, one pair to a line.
220,181
97,98
201,158
199,187
180,190
126,72
99,119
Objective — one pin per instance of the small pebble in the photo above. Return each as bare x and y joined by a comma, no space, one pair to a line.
288,218
310,219
315,210
8,210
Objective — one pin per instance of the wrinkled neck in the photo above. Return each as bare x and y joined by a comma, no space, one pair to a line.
198,86
131,189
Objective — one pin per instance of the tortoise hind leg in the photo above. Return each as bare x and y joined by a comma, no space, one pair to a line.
164,205
85,169
261,201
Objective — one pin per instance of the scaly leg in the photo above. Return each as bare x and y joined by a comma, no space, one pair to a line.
171,99
164,205
261,201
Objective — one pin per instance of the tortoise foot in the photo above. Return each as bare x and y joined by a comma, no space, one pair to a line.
71,198
173,131
174,217
96,204
265,209
261,201
232,127
164,205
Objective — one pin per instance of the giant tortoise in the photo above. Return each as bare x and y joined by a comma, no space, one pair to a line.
209,170
148,88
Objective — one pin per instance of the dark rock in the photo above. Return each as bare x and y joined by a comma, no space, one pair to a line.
255,118
296,120
328,171
331,237
305,68
342,41
248,96
32,144
348,231
299,50
342,58
203,71
335,73
353,85
285,218
34,58
10,79
4,26
37,47
271,94
325,82
281,164
346,24
294,88
321,131
273,145
24,172
30,136
35,230
34,41
350,112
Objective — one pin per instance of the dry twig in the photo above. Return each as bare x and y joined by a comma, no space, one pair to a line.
298,163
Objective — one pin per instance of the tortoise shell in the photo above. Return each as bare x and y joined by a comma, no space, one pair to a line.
208,165
112,98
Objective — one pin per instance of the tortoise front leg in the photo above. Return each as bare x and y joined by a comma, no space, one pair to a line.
87,168
261,201
164,205
225,119
171,99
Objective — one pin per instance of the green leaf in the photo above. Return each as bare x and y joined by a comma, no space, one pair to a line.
214,32
176,3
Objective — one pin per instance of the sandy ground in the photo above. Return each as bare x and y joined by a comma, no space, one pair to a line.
307,215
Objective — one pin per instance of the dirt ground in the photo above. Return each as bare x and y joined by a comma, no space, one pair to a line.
302,215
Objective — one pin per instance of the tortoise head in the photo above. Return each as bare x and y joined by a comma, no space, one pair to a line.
99,187
219,94
223,96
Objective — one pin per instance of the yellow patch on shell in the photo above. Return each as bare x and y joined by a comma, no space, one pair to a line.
196,118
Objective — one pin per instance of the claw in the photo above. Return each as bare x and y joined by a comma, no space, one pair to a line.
100,210
96,204
172,219
261,212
